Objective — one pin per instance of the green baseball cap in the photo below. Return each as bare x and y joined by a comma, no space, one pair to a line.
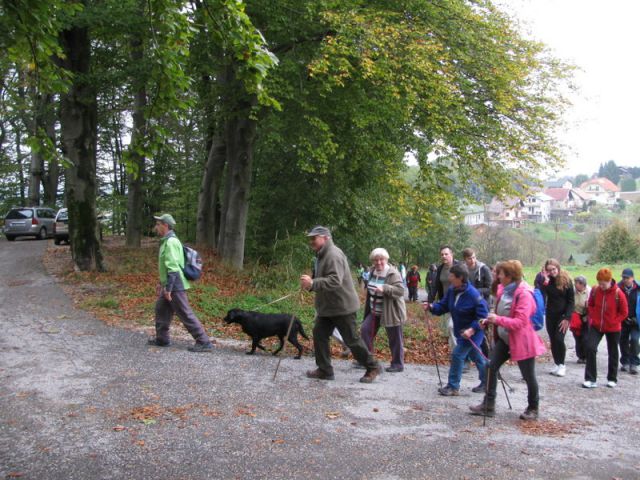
166,218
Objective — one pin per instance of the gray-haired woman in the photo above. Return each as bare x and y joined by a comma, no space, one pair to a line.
385,306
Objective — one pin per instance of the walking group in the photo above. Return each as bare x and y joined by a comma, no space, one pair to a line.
488,313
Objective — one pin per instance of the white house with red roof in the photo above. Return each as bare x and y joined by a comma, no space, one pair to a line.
602,190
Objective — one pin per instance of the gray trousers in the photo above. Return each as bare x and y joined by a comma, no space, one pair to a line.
369,331
180,306
346,325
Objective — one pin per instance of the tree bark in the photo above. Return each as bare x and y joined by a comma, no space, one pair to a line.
135,198
208,217
78,115
240,131
51,175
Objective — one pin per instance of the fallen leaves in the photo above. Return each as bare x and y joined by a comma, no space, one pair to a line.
332,415
551,427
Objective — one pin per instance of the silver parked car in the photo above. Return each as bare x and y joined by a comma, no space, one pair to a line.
61,227
29,222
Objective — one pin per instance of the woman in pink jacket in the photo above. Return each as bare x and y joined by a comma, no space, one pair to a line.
514,338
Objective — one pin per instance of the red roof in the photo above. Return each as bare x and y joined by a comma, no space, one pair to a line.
558,194
605,183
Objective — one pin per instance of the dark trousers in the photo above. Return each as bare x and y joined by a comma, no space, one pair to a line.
593,339
630,344
581,340
369,331
413,294
346,325
180,306
499,355
556,338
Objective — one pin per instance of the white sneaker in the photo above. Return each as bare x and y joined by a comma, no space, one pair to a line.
554,370
589,384
562,371
611,384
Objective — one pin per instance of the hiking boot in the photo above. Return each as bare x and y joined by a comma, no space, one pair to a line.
394,369
624,368
633,369
448,391
358,365
320,375
201,347
153,341
486,407
371,374
479,389
530,414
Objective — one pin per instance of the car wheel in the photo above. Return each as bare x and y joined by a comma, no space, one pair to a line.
11,238
42,234
57,241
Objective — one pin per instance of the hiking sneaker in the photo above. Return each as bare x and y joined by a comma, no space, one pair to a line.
561,371
201,347
611,384
371,374
589,384
554,370
394,369
320,375
530,414
483,410
625,368
153,341
479,389
448,391
633,369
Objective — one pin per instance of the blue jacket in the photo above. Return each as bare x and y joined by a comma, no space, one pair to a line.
466,312
633,300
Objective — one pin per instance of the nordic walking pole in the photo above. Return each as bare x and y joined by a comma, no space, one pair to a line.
284,347
427,315
499,376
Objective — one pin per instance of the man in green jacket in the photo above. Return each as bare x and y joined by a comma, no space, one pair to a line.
172,290
336,305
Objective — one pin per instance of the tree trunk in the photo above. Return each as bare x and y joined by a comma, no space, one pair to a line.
51,175
78,116
241,130
208,218
135,198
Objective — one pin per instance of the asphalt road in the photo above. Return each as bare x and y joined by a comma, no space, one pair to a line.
81,400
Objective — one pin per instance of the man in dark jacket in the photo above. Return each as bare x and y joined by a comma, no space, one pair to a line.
479,274
336,305
630,334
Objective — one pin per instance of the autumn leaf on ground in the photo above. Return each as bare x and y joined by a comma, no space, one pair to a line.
119,428
332,415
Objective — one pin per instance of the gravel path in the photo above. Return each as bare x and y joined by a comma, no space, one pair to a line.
81,400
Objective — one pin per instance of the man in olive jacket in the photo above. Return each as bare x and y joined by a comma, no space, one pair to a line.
336,305
172,290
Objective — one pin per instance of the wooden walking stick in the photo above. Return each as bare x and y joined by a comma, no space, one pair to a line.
284,348
427,315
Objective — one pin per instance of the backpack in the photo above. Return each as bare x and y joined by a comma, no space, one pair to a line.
537,318
192,263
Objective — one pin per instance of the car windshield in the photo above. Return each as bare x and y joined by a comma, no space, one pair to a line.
18,214
63,216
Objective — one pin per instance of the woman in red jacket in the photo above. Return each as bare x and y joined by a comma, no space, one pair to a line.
607,309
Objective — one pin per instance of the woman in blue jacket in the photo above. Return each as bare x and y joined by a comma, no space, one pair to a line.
467,308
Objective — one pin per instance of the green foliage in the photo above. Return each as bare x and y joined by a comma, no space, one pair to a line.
610,170
628,184
617,244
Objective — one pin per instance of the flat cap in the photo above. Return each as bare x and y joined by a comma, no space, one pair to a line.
319,230
166,218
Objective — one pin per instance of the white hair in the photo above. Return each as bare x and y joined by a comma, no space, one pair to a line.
378,252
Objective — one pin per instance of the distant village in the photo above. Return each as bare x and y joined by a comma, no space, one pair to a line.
557,202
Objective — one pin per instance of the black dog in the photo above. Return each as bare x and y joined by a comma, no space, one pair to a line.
263,325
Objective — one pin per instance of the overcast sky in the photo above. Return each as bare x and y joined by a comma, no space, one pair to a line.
602,38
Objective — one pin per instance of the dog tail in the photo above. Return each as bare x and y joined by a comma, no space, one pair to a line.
300,329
